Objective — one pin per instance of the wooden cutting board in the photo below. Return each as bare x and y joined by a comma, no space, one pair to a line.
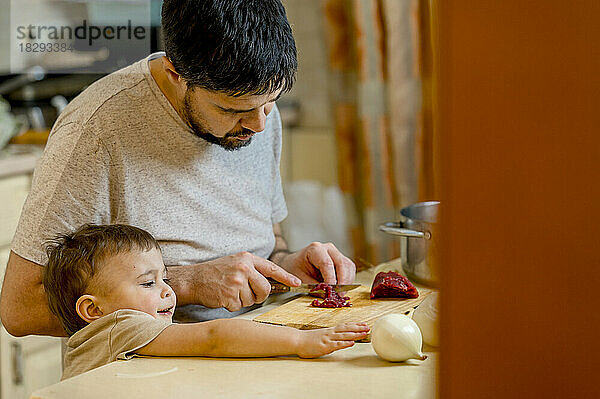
299,314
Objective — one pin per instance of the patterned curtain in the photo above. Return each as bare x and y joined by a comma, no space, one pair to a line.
377,59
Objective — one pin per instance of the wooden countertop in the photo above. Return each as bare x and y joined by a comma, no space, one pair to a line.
355,372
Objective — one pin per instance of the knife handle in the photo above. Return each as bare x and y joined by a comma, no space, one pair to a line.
277,287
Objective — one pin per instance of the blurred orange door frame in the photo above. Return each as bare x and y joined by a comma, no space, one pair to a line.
519,127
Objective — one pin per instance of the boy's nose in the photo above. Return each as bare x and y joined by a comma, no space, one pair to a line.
166,291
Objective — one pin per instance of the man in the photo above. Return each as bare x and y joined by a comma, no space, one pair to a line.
185,145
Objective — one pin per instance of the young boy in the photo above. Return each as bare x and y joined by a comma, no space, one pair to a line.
108,287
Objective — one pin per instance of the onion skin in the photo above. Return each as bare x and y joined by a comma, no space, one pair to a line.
396,338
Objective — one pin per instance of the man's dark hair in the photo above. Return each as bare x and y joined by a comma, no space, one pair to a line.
233,46
75,258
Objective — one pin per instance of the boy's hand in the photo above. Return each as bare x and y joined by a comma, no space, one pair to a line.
315,343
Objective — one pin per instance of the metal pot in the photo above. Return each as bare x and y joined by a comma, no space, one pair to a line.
420,259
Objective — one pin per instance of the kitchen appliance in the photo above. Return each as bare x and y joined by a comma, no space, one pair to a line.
38,99
33,74
420,235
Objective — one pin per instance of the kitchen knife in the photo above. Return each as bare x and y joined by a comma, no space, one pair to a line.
277,287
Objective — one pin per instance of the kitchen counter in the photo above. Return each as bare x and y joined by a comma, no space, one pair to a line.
355,372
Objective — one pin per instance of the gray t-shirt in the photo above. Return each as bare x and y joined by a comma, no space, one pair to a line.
120,153
114,336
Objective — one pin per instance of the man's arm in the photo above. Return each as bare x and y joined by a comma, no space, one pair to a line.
23,304
280,250
232,281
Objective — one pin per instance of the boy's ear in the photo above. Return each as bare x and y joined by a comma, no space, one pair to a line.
87,308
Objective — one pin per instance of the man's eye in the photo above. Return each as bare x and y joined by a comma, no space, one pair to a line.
147,284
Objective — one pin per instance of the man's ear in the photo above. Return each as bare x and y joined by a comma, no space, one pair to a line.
172,74
87,308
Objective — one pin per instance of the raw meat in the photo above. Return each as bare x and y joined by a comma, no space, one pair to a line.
392,285
332,298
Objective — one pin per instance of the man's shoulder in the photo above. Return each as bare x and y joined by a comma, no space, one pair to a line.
116,92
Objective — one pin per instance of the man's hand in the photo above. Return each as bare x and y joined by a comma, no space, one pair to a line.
231,282
320,263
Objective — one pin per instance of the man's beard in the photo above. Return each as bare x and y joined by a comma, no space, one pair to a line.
228,142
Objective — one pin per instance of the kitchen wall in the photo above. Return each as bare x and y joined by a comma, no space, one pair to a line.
309,148
309,158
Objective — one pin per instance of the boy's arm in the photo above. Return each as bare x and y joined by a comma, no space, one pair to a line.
224,338
23,304
244,338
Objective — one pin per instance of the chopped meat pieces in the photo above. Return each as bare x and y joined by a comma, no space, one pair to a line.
392,285
332,299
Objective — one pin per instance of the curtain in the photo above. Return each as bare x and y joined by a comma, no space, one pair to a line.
379,63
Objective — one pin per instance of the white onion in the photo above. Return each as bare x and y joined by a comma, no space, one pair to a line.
396,337
426,317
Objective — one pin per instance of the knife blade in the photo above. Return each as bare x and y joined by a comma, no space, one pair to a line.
277,287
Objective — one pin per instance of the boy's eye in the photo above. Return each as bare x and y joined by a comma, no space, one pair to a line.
147,284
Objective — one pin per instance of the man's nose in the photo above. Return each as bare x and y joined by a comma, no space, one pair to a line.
255,120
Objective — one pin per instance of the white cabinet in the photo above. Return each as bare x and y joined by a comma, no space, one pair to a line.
26,363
